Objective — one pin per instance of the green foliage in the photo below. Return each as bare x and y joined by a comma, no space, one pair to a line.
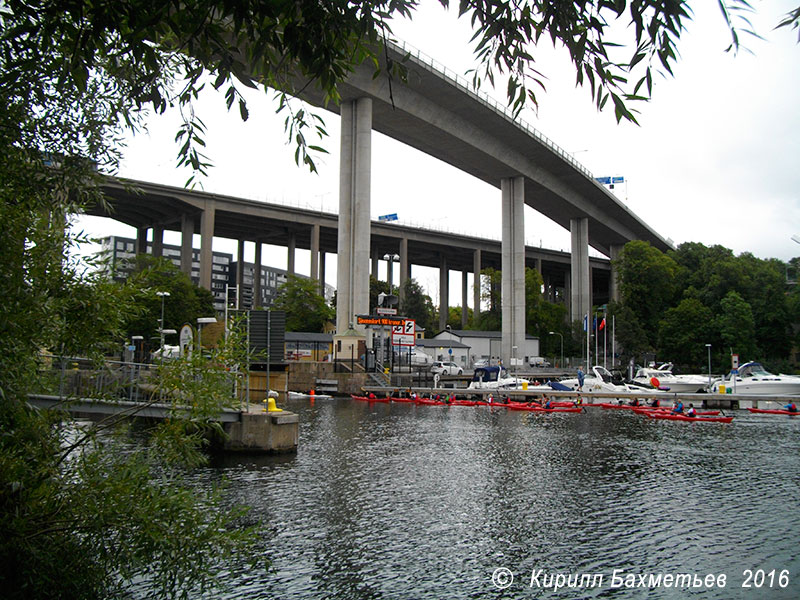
185,303
417,305
306,309
685,330
737,304
647,287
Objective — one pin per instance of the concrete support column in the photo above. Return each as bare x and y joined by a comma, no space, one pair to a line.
581,291
513,266
373,253
464,297
239,272
206,237
444,292
290,251
141,240
315,251
322,274
352,272
257,276
613,291
187,233
476,286
404,269
158,240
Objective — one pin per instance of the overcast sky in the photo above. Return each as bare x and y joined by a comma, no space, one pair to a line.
716,158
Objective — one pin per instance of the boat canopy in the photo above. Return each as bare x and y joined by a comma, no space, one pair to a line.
752,369
487,374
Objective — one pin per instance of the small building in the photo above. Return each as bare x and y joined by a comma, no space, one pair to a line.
302,345
484,345
449,351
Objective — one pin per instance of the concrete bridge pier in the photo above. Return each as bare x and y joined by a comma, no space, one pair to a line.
352,276
513,266
580,284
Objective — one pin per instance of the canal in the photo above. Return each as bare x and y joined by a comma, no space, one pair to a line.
396,501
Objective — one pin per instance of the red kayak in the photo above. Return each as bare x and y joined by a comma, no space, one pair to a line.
539,409
645,410
774,411
670,417
368,399
430,402
464,403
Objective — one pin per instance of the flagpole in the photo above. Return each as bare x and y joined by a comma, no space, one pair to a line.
613,341
596,349
605,340
588,348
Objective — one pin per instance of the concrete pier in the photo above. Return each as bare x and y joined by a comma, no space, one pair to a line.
250,430
259,431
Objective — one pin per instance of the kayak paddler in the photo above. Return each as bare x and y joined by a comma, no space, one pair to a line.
791,407
678,408
691,412
654,402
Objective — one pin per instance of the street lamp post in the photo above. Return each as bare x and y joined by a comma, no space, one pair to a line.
562,345
709,366
391,258
514,358
161,323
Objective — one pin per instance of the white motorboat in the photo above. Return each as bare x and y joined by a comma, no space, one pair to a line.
304,396
754,380
664,379
598,380
495,378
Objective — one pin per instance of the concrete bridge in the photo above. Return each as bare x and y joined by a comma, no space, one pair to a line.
145,206
437,113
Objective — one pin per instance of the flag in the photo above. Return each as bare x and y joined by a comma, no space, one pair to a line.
602,324
595,323
586,322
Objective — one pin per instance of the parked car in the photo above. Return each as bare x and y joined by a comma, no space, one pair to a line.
538,361
446,368
481,362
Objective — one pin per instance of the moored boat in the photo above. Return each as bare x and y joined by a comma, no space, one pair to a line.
753,379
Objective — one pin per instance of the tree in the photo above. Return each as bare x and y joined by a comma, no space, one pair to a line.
185,303
417,305
306,309
647,286
736,325
684,331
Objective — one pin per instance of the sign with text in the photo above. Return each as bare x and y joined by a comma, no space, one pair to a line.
404,334
378,320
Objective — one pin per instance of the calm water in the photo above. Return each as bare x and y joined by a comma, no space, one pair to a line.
400,501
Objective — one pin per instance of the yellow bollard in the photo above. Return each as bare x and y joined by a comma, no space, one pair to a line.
271,407
721,389
524,385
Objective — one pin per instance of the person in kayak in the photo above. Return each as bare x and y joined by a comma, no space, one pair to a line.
371,396
678,408
635,402
654,403
691,412
548,404
791,407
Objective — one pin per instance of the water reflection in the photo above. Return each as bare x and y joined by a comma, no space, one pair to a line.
403,501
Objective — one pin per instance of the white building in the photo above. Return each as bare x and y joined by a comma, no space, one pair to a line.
464,347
